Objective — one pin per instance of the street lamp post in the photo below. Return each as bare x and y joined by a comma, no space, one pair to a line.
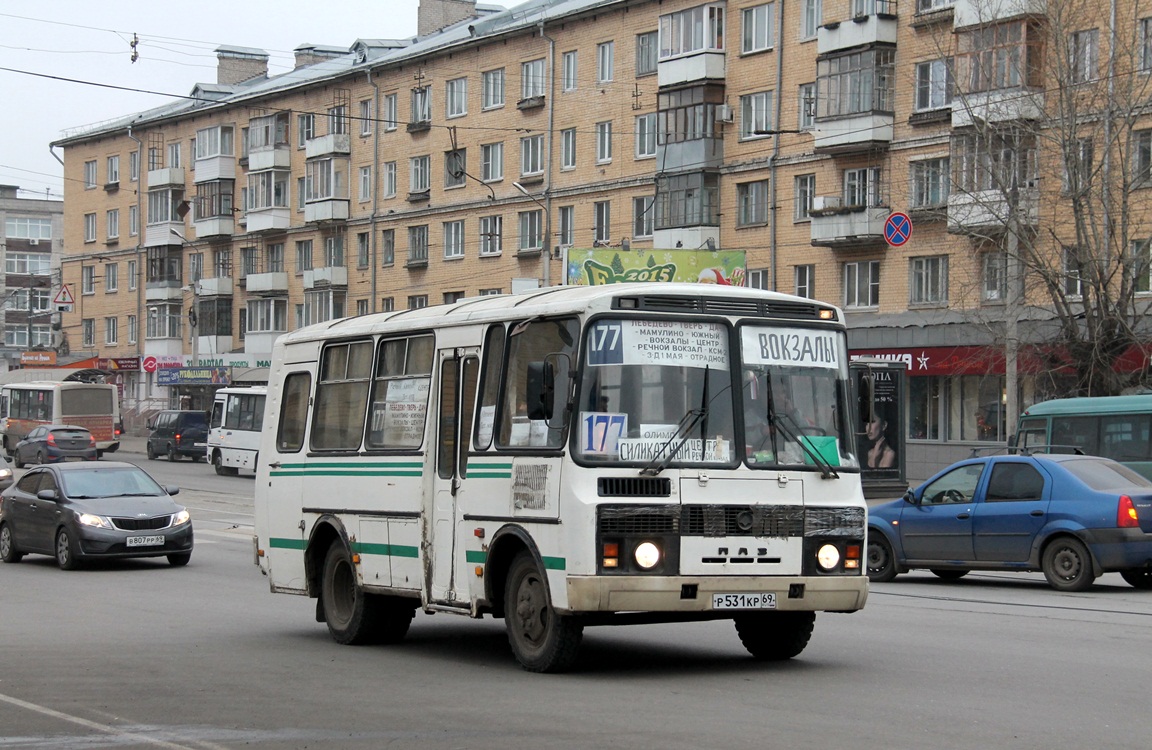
547,230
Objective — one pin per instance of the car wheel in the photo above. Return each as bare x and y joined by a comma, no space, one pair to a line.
179,559
948,575
172,454
1140,579
775,636
350,613
66,551
41,458
542,640
150,451
1067,565
17,461
8,551
881,561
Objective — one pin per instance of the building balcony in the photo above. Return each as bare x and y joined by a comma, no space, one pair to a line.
208,346
697,66
215,168
686,237
328,145
261,343
163,233
332,209
861,132
164,348
215,226
220,286
267,219
876,23
968,13
1001,105
163,291
263,159
845,227
267,283
987,211
173,177
326,276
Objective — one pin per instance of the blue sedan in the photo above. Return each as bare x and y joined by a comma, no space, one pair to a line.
1072,517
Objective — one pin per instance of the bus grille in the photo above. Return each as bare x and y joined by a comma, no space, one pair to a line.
743,520
781,521
634,487
846,522
639,519
142,524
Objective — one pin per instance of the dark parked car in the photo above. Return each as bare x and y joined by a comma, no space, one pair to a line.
77,512
53,443
179,433
5,472
1072,517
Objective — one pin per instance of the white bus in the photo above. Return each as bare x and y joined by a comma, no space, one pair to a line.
234,429
630,453
94,406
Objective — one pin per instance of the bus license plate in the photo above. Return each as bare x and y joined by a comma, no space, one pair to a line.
145,541
765,600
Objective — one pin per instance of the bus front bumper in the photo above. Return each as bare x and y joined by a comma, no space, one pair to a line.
695,593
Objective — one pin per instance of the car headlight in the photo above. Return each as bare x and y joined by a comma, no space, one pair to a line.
647,555
100,522
181,518
5,473
828,556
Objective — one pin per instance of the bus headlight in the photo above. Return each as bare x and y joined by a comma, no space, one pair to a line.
647,555
828,557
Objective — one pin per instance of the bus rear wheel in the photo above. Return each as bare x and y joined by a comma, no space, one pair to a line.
542,640
775,636
353,616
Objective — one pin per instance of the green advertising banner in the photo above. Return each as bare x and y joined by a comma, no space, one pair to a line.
610,265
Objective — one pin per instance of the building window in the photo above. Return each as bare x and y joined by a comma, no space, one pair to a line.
387,247
111,277
111,335
804,190
89,174
755,114
301,192
274,258
131,275
366,117
1145,52
605,62
1141,264
456,97
602,221
455,167
387,304
689,114
1078,167
568,74
493,88
804,281
363,250
133,333
567,216
1072,271
303,256
806,119
810,15
490,292
568,148
603,142
929,280
417,301
491,235
326,179
532,155
646,135
531,235
996,161
195,267
334,251
89,227
338,120
687,200
856,83
532,79
174,152
420,179
1083,49
758,28
34,264
454,239
752,203
365,183
214,141
112,223
696,29
269,189
451,298
492,162
388,172
758,279
647,53
305,129
862,187
113,176
931,181
421,104
934,84
133,220
213,200
134,166
391,112
88,332
862,283
418,244
1005,55
643,217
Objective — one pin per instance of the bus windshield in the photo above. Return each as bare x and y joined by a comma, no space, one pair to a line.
656,392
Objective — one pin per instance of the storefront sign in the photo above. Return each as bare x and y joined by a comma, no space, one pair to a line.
38,359
132,364
194,376
596,266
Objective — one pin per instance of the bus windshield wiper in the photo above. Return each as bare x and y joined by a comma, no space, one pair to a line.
688,422
792,433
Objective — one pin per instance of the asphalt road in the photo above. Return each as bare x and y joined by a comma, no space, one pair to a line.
137,654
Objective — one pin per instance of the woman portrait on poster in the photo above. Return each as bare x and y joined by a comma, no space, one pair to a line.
880,455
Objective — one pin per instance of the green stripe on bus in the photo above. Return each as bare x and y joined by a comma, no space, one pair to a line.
280,543
356,465
475,556
554,563
387,550
319,472
550,563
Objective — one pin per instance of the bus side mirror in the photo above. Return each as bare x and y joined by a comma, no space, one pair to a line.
867,397
541,390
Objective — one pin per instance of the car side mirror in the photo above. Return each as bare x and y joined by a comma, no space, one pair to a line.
149,425
172,489
910,497
48,495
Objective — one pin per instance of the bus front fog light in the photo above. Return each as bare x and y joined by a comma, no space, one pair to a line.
828,556
647,555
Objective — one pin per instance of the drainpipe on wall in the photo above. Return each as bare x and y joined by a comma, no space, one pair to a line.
372,257
139,264
548,167
776,145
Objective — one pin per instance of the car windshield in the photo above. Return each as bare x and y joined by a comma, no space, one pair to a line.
1102,474
109,482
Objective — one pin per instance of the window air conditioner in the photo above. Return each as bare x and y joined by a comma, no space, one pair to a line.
724,113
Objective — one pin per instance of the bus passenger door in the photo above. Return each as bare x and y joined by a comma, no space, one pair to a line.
459,374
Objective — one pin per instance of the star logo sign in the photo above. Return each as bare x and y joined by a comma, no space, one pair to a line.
922,360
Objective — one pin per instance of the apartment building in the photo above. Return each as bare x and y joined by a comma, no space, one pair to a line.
474,158
31,241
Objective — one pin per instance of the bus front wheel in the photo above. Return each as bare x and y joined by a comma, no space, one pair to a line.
221,469
542,640
775,636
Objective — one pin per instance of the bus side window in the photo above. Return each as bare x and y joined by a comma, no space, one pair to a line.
490,386
217,413
528,343
293,412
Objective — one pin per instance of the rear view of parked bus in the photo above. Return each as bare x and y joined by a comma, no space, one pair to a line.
234,429
1116,427
94,406
632,453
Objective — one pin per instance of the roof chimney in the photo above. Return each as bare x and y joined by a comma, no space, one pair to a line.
239,64
437,14
310,54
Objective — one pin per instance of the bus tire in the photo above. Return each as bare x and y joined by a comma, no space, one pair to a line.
775,636
1067,564
221,469
542,640
352,616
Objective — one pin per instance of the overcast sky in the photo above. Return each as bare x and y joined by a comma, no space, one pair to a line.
89,42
